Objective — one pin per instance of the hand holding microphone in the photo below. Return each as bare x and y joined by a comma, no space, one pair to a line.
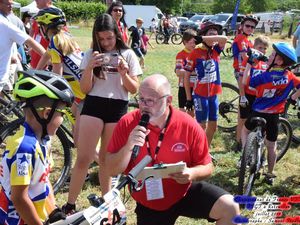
139,134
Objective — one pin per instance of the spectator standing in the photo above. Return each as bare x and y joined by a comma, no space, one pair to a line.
153,28
117,11
26,17
106,85
240,46
162,201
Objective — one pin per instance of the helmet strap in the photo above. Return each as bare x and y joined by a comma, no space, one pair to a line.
42,121
272,64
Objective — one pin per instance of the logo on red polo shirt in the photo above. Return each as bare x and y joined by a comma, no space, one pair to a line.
179,147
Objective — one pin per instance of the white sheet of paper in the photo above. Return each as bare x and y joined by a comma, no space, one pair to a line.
154,189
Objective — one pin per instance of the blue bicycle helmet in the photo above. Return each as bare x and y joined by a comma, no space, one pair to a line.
287,52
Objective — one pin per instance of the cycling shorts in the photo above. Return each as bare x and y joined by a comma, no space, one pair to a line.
138,52
197,203
206,108
182,97
245,112
271,126
107,109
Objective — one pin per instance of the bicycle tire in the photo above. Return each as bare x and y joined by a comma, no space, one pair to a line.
176,39
160,38
228,107
291,114
60,140
227,51
248,165
9,112
284,138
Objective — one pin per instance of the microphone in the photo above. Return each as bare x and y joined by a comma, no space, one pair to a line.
143,122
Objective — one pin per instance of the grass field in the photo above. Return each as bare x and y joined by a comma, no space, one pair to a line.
161,59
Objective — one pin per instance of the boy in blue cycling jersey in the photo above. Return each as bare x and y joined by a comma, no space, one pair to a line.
272,90
26,195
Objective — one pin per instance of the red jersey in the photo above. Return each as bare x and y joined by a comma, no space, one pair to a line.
38,37
240,44
206,64
123,31
188,144
181,60
259,68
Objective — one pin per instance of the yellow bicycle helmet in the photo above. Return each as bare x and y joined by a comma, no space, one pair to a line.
51,17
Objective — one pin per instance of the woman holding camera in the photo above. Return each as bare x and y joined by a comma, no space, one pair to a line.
106,80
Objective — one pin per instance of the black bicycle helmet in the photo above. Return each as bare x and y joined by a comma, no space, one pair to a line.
252,18
209,25
34,83
51,17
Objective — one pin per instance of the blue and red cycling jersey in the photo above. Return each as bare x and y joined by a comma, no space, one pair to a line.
240,44
272,90
206,64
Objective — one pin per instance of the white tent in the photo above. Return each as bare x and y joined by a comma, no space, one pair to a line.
31,8
16,5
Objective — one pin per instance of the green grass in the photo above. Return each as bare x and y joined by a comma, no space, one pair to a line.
161,59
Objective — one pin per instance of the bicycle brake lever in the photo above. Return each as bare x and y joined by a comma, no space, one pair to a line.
137,186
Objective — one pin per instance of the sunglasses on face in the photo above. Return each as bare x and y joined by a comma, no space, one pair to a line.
117,10
249,26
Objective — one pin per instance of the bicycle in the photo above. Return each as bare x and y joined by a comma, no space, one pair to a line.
228,107
176,38
61,145
109,209
254,154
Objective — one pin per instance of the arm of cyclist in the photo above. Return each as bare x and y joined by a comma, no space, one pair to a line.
24,205
196,173
121,158
211,40
296,94
35,46
57,68
43,61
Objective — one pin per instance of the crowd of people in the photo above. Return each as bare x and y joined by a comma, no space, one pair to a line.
96,85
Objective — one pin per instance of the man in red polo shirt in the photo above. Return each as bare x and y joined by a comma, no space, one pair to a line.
170,137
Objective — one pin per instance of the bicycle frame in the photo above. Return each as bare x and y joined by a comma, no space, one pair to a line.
99,212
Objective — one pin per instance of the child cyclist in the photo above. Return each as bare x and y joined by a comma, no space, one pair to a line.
26,196
240,46
63,52
250,68
205,61
189,43
272,90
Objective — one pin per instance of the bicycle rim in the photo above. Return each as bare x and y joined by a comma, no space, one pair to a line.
284,138
160,38
176,39
61,160
291,114
228,107
248,165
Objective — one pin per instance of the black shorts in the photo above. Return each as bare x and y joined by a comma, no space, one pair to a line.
182,97
197,203
271,126
245,112
107,109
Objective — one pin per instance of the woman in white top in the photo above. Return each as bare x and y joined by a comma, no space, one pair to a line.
110,72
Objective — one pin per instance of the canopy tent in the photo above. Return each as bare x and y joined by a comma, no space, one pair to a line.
31,8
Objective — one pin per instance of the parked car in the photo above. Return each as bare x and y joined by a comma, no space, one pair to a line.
188,14
225,19
194,22
181,19
272,19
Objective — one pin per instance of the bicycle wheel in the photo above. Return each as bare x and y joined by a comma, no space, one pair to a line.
227,51
60,152
284,137
291,114
248,165
228,107
9,111
160,38
176,39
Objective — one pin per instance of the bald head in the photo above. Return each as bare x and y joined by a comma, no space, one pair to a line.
157,83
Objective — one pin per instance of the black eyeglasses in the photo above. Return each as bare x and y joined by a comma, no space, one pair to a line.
117,10
150,102
249,26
